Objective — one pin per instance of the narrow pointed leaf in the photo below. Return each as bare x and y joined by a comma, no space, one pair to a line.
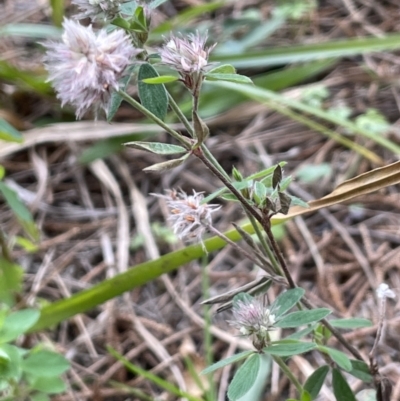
226,361
157,147
340,358
351,323
240,79
300,318
341,388
285,301
165,166
116,98
223,69
244,378
360,370
9,133
163,79
18,323
289,348
315,382
277,176
21,212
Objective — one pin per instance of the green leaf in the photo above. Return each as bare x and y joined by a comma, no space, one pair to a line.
360,370
305,396
223,69
45,363
141,18
285,301
168,165
4,363
121,23
314,383
244,378
116,98
242,297
49,385
26,244
301,333
341,388
299,202
260,192
9,133
338,357
163,79
351,323
226,361
240,79
157,147
289,348
21,212
153,97
2,172
10,281
12,369
57,11
18,323
25,79
296,319
39,397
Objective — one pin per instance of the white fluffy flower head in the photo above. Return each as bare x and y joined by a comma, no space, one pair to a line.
85,67
189,216
252,318
187,55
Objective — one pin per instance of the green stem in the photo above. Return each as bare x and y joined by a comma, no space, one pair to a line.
289,374
184,141
4,248
265,245
182,118
214,161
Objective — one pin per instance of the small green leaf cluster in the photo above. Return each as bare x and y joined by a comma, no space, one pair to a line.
267,194
27,374
292,344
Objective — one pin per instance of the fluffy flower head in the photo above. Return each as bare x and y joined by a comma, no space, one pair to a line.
97,9
189,216
186,55
84,68
252,318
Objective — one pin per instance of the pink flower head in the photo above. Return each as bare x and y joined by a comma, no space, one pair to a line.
189,216
252,318
84,68
188,56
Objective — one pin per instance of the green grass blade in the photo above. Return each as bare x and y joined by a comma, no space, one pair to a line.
213,101
133,278
315,51
269,97
31,31
166,385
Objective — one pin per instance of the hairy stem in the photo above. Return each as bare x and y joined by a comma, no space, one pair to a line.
179,137
285,369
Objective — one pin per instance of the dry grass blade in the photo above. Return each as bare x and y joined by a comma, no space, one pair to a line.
363,184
